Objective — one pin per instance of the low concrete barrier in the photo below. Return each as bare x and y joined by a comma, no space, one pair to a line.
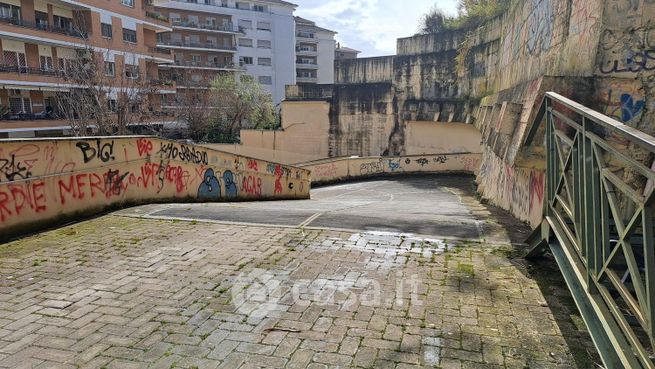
47,181
339,169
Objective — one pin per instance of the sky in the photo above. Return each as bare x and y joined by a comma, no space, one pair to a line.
371,26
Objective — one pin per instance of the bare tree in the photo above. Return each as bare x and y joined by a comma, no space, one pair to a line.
101,96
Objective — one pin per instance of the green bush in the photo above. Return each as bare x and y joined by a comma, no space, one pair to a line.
471,14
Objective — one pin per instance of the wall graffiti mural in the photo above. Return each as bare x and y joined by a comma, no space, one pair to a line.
345,168
209,189
43,180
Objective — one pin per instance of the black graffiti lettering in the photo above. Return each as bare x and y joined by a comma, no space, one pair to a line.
422,161
13,169
101,151
170,151
114,182
636,63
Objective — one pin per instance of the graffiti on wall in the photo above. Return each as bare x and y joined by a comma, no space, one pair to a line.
521,191
45,179
622,100
539,27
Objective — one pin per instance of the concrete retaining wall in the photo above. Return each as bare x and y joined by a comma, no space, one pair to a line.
45,181
340,169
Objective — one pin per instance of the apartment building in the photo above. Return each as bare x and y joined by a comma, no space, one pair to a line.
247,38
314,53
344,53
40,40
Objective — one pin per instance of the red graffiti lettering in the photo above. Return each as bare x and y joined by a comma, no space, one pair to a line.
160,174
252,185
21,197
66,189
144,147
252,164
96,184
278,179
4,209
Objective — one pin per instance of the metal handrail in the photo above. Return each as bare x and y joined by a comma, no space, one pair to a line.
599,210
204,45
225,28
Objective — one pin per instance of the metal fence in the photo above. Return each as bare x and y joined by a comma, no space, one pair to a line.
599,225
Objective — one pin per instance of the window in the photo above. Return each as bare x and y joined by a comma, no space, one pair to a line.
264,61
106,30
129,3
9,11
244,6
265,80
129,35
65,65
259,8
245,60
131,71
264,44
246,42
63,23
110,69
245,24
19,105
195,59
264,26
46,63
41,19
111,105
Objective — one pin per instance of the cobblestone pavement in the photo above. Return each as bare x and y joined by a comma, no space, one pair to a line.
118,292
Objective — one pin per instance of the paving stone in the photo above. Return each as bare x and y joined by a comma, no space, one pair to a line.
168,301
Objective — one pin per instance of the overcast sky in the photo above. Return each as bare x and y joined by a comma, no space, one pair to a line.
371,26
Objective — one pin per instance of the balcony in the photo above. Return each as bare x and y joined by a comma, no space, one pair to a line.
306,51
306,65
202,65
6,68
306,37
228,28
43,27
219,4
161,54
306,80
189,45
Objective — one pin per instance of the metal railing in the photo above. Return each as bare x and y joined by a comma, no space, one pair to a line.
203,45
599,209
192,64
222,28
9,68
43,27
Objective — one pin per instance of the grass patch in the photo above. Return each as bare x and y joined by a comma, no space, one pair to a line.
466,268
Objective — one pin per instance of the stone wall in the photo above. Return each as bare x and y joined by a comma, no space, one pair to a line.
52,180
601,50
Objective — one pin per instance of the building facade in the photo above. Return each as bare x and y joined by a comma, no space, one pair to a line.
314,53
42,41
252,38
343,52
